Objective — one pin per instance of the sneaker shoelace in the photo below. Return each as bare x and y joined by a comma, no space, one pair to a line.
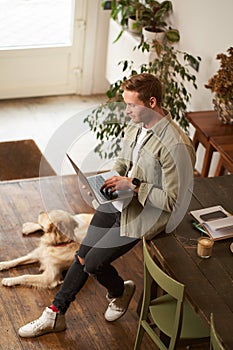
114,305
118,303
38,323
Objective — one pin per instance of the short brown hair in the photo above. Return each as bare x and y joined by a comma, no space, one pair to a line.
147,85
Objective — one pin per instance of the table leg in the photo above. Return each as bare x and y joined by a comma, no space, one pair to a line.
220,168
195,140
207,160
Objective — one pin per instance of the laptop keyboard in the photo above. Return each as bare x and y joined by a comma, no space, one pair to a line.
96,182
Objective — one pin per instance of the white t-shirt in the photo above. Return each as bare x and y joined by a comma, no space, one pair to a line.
119,205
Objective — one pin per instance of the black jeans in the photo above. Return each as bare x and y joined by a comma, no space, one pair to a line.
101,246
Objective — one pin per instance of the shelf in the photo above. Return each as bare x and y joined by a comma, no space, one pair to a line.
123,50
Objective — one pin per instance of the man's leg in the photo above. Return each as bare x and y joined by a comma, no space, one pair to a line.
74,281
98,263
76,277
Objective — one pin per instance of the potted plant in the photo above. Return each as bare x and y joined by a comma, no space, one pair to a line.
148,16
221,84
122,10
108,120
135,21
154,24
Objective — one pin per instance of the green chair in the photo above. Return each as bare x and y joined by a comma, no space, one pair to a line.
215,343
169,316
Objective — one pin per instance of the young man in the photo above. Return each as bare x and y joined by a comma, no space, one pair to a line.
154,160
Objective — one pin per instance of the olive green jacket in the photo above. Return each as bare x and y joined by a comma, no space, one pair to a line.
165,167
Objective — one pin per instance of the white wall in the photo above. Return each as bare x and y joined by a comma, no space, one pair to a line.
206,30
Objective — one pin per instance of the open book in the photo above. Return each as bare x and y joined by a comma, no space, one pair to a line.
216,221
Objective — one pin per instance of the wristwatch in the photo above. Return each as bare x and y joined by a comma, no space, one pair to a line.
135,183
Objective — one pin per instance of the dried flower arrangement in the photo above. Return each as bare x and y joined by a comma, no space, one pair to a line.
221,84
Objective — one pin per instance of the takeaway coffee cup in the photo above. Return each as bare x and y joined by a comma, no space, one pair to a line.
204,247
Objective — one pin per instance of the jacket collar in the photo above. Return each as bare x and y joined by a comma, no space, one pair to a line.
159,127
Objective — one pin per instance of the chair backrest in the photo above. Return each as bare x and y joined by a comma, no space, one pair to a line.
167,284
215,343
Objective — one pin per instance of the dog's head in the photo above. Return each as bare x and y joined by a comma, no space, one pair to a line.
59,224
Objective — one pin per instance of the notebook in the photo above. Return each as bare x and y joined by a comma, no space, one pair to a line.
216,221
93,184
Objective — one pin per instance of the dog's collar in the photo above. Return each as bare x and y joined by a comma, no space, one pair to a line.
62,244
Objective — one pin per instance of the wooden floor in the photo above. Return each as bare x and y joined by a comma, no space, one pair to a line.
87,328
21,201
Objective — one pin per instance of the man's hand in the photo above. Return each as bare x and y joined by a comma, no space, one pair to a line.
117,183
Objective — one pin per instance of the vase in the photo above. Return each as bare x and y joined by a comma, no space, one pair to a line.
150,36
224,110
133,25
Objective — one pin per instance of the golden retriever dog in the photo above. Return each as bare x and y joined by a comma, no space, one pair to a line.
62,234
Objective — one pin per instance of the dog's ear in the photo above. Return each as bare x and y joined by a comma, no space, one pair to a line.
44,220
60,227
51,228
66,230
57,227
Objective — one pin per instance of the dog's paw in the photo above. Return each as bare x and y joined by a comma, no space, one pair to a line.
54,284
8,282
4,265
30,227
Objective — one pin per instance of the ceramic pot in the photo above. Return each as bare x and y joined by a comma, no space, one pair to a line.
133,25
150,36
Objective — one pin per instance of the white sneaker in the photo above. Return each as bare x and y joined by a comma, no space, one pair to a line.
48,322
118,306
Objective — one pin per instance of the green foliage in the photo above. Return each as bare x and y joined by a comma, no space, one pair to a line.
155,13
150,14
172,67
108,122
121,10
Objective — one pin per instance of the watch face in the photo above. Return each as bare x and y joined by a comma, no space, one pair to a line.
135,181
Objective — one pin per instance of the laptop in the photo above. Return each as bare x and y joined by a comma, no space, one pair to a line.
93,184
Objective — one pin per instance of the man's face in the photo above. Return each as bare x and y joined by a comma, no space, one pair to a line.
135,108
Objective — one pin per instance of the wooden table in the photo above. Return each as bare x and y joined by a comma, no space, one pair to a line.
224,145
207,125
209,282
